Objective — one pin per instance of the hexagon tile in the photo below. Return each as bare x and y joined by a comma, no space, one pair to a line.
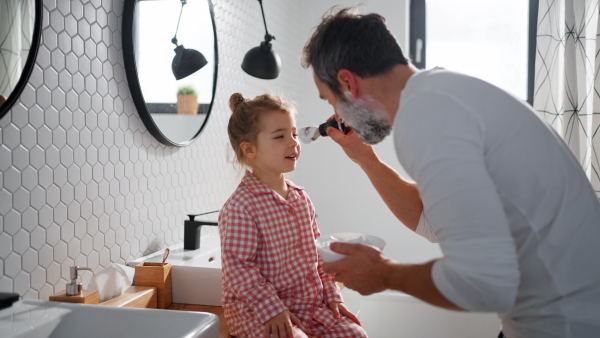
82,180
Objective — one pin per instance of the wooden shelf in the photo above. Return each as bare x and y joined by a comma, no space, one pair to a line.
86,297
135,296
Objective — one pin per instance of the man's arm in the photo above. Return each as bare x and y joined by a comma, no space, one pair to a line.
401,197
377,273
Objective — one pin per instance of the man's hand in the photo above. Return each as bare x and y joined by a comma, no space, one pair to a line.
281,325
352,145
339,309
364,270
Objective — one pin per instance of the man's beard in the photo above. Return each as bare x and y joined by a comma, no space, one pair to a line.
366,117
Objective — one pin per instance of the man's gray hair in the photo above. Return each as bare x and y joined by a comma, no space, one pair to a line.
348,40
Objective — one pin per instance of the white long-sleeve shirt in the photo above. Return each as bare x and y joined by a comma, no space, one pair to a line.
515,216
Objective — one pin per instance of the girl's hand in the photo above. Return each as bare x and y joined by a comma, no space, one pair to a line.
340,308
280,326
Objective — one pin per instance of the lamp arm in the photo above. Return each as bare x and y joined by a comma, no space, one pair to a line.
174,39
268,37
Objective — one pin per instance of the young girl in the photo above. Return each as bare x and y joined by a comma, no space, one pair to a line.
273,284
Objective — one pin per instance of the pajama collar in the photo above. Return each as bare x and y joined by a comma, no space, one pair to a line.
258,187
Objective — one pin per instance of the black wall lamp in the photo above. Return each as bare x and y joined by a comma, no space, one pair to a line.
186,61
262,61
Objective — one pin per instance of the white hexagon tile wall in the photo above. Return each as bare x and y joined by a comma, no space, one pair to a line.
82,180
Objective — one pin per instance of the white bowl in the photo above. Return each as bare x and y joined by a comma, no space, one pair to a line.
329,256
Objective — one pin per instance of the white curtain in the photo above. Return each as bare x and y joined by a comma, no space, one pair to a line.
567,83
16,29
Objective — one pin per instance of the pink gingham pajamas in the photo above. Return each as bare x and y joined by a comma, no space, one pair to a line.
270,263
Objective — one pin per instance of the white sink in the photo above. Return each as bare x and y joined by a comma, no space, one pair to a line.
47,319
195,274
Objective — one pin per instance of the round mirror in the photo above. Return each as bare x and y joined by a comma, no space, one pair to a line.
20,26
170,53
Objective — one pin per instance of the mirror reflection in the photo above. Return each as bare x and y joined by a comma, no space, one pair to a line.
19,40
175,110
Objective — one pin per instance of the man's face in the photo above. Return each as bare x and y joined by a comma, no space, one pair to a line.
325,93
366,116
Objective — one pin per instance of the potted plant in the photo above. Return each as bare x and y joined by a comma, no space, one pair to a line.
187,100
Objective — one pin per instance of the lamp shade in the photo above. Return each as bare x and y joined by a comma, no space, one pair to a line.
262,62
186,62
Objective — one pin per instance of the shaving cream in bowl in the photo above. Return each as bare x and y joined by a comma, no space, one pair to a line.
329,256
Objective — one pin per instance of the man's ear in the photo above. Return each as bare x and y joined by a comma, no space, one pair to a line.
348,81
248,149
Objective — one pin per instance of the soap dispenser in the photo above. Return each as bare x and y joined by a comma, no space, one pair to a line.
74,292
191,232
74,288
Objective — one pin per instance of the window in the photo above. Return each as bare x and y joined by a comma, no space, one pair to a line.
493,40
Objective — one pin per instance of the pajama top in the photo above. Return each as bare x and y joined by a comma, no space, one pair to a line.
269,257
515,215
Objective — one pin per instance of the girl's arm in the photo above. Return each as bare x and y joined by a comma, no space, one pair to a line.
331,291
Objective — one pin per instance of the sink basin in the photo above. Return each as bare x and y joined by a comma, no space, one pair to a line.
47,319
196,275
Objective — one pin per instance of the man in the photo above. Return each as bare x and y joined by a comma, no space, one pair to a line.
515,216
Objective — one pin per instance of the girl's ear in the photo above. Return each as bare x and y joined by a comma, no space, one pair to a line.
248,149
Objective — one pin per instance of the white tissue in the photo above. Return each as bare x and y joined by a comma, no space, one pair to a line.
112,281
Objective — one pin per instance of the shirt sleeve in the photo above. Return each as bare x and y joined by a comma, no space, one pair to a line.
425,229
441,144
241,273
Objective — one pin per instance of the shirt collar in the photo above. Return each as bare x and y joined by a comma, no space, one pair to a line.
258,187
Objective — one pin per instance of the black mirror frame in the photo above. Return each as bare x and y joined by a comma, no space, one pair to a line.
134,83
29,63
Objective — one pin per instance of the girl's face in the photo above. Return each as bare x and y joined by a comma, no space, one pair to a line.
277,148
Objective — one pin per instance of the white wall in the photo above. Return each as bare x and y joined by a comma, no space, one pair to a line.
82,181
345,200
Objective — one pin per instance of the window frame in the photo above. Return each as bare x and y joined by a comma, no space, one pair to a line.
418,39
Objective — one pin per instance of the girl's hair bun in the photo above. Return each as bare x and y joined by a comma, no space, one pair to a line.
235,101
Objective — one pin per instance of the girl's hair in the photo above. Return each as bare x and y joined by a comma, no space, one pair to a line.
246,114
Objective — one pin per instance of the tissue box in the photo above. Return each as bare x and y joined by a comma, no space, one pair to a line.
158,276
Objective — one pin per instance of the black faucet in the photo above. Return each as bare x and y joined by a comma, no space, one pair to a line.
191,232
7,299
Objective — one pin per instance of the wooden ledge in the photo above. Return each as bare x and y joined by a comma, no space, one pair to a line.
135,296
86,297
